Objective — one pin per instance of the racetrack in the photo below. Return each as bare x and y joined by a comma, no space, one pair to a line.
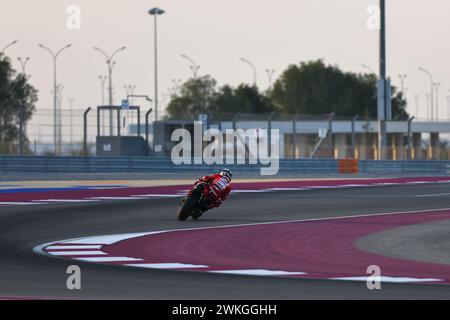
24,273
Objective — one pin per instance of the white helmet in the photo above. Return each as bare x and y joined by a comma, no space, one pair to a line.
226,173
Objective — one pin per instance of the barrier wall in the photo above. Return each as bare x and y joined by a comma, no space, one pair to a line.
49,164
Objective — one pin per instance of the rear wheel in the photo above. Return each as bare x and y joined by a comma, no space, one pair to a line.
196,215
185,210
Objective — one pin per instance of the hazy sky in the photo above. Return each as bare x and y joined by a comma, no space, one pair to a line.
271,34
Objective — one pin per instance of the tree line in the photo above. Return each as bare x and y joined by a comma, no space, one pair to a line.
311,88
17,104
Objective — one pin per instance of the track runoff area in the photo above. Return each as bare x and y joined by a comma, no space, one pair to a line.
332,239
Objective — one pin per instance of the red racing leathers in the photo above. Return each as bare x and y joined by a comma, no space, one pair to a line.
218,189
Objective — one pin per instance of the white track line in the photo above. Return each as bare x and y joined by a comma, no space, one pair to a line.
166,265
433,195
288,189
110,239
63,200
112,198
73,247
355,185
157,195
17,203
183,192
249,191
259,272
107,239
78,253
127,261
388,279
108,259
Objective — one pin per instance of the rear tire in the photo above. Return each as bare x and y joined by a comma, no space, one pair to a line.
185,210
196,216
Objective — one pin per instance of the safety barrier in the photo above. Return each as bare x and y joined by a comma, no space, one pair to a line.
51,164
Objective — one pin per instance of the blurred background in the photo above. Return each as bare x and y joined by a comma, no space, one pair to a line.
308,68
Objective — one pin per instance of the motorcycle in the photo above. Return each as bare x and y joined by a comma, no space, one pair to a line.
192,205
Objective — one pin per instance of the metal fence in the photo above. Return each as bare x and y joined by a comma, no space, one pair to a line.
156,165
66,138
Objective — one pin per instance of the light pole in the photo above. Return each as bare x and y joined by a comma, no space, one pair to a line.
448,106
7,46
55,91
194,66
365,66
71,102
102,83
402,78
431,91
155,12
417,97
59,91
23,63
270,73
176,83
436,86
110,63
129,91
103,79
428,97
448,109
384,110
253,68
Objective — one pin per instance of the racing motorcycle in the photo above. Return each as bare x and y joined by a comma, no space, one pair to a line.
194,203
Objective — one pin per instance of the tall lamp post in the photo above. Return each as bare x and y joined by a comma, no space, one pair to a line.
253,68
270,73
22,126
448,106
403,89
23,63
436,86
402,78
155,12
129,91
365,66
102,83
7,46
384,112
428,98
431,91
59,90
417,97
110,63
194,66
102,79
55,91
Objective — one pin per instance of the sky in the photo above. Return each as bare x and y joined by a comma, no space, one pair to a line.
216,34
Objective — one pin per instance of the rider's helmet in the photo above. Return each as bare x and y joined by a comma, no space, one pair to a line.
226,173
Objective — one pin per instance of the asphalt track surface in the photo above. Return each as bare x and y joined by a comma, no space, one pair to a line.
24,273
